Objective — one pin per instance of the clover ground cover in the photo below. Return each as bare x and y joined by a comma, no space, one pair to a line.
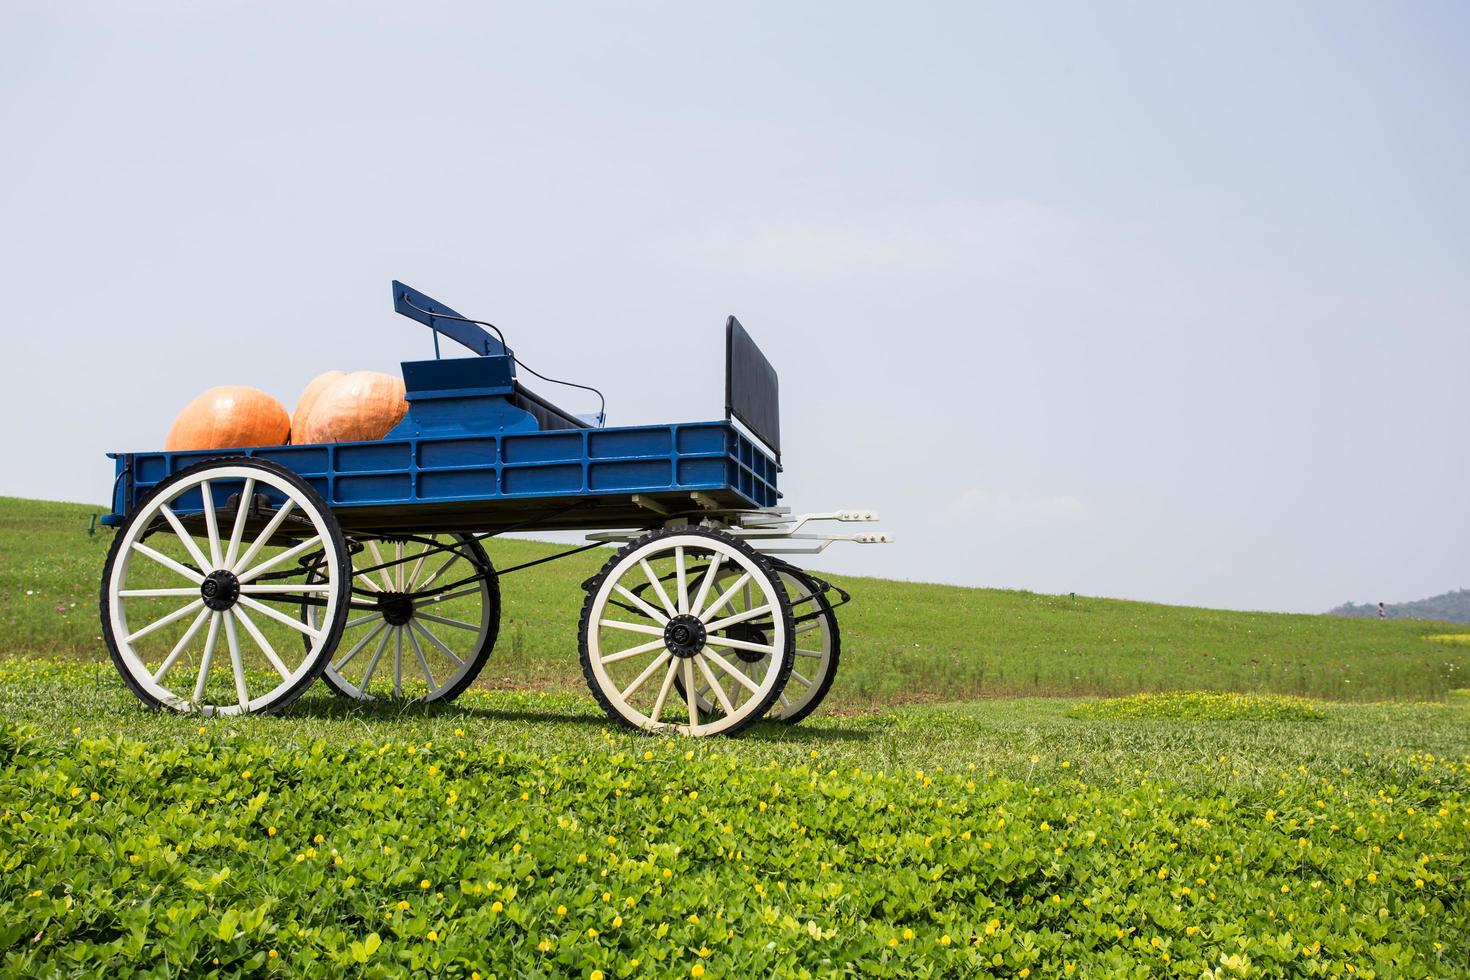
515,834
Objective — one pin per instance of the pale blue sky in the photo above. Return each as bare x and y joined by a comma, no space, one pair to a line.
1149,300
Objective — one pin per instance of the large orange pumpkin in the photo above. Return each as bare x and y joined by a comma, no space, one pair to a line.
229,417
358,406
309,395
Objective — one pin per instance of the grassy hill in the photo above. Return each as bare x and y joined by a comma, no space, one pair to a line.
902,641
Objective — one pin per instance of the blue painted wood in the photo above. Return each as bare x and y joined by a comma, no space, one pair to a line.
471,335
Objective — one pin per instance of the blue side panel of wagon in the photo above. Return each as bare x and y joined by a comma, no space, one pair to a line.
562,466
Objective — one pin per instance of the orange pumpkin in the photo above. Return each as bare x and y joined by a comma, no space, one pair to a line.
309,395
229,417
358,406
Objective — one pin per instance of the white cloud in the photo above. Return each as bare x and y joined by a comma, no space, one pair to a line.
961,241
1005,508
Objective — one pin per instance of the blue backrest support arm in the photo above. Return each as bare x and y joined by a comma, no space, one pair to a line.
414,304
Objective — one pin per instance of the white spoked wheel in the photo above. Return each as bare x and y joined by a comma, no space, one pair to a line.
426,611
203,583
815,655
649,619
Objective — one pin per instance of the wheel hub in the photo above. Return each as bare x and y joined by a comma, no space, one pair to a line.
684,636
396,607
746,633
220,590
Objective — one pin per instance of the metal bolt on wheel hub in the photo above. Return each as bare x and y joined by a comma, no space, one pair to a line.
684,636
219,590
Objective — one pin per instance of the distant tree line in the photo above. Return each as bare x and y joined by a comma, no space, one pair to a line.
1452,607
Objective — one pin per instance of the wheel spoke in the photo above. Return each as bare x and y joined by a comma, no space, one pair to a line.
399,568
642,678
663,692
168,562
262,642
286,589
280,617
269,563
378,560
808,626
154,593
681,578
241,510
211,521
359,621
610,623
209,641
423,664
431,600
725,597
413,573
382,625
457,624
377,655
366,580
808,653
642,648
159,624
715,686
801,677
398,661
739,617
724,641
658,586
690,696
414,623
739,675
636,600
185,538
710,574
265,536
440,570
237,665
184,641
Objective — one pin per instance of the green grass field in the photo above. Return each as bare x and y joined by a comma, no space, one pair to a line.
902,641
517,833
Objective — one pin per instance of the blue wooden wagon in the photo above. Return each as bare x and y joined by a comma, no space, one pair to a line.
363,563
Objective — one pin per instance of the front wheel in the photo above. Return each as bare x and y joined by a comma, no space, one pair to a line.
660,594
208,572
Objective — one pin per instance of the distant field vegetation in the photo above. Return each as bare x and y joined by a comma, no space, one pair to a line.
902,641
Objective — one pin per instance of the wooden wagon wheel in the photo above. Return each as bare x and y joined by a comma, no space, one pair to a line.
684,630
815,655
225,549
433,613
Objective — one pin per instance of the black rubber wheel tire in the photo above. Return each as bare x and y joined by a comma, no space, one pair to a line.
338,543
594,585
487,639
824,684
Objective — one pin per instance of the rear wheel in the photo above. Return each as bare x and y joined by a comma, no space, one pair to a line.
202,582
423,626
815,655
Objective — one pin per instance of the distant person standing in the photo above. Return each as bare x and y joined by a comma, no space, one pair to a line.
1382,613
